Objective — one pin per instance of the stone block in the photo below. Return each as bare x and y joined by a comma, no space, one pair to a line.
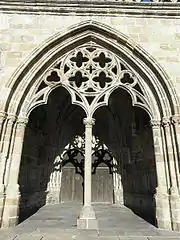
87,223
164,224
27,236
133,238
13,221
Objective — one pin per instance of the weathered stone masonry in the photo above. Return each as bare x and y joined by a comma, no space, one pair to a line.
133,47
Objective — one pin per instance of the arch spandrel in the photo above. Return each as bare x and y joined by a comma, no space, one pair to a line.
160,94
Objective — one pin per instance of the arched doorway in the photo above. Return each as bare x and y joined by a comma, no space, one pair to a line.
91,70
50,128
129,137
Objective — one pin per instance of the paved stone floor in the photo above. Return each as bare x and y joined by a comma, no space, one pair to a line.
58,222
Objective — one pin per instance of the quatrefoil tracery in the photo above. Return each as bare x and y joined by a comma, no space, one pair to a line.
90,73
93,64
90,70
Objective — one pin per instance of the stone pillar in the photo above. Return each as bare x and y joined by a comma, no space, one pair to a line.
161,197
87,218
174,173
11,208
175,126
2,118
5,145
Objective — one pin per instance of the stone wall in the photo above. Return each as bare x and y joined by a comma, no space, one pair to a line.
20,34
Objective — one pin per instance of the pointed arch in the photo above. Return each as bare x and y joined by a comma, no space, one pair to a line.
153,81
163,98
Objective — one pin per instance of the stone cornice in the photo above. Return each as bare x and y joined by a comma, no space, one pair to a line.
93,7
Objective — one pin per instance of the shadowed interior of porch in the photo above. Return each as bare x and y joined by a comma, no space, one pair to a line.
123,167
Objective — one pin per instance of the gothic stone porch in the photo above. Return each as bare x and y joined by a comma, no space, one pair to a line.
58,222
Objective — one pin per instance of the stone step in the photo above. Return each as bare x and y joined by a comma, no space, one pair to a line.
58,222
65,237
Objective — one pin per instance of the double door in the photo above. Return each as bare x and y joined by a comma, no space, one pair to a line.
72,184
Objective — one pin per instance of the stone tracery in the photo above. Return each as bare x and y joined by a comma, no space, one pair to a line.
90,74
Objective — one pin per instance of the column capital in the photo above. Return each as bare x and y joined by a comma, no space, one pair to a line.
175,119
161,191
22,120
173,190
89,121
11,118
155,123
2,115
166,122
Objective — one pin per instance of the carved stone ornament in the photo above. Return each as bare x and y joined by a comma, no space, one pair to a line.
91,70
2,115
11,119
90,73
175,120
166,122
22,120
155,123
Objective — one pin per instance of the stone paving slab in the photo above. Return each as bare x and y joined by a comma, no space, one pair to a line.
58,222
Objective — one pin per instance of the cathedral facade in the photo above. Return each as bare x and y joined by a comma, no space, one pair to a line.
89,108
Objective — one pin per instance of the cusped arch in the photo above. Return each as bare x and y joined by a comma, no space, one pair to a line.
155,82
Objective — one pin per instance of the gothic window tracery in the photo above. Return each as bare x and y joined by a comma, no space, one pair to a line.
90,73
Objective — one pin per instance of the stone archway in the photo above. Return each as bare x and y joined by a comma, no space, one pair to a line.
50,128
92,60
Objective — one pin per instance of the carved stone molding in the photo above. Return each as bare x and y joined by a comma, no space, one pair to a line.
155,123
161,192
175,120
166,122
90,73
21,124
11,119
128,7
2,116
22,121
173,191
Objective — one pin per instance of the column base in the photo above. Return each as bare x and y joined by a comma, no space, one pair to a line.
11,207
87,219
163,224
176,226
175,209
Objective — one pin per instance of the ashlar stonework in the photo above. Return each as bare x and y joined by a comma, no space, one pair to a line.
89,108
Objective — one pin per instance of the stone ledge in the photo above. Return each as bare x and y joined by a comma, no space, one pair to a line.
138,9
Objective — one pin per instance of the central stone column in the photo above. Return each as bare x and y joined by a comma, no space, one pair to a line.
87,218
